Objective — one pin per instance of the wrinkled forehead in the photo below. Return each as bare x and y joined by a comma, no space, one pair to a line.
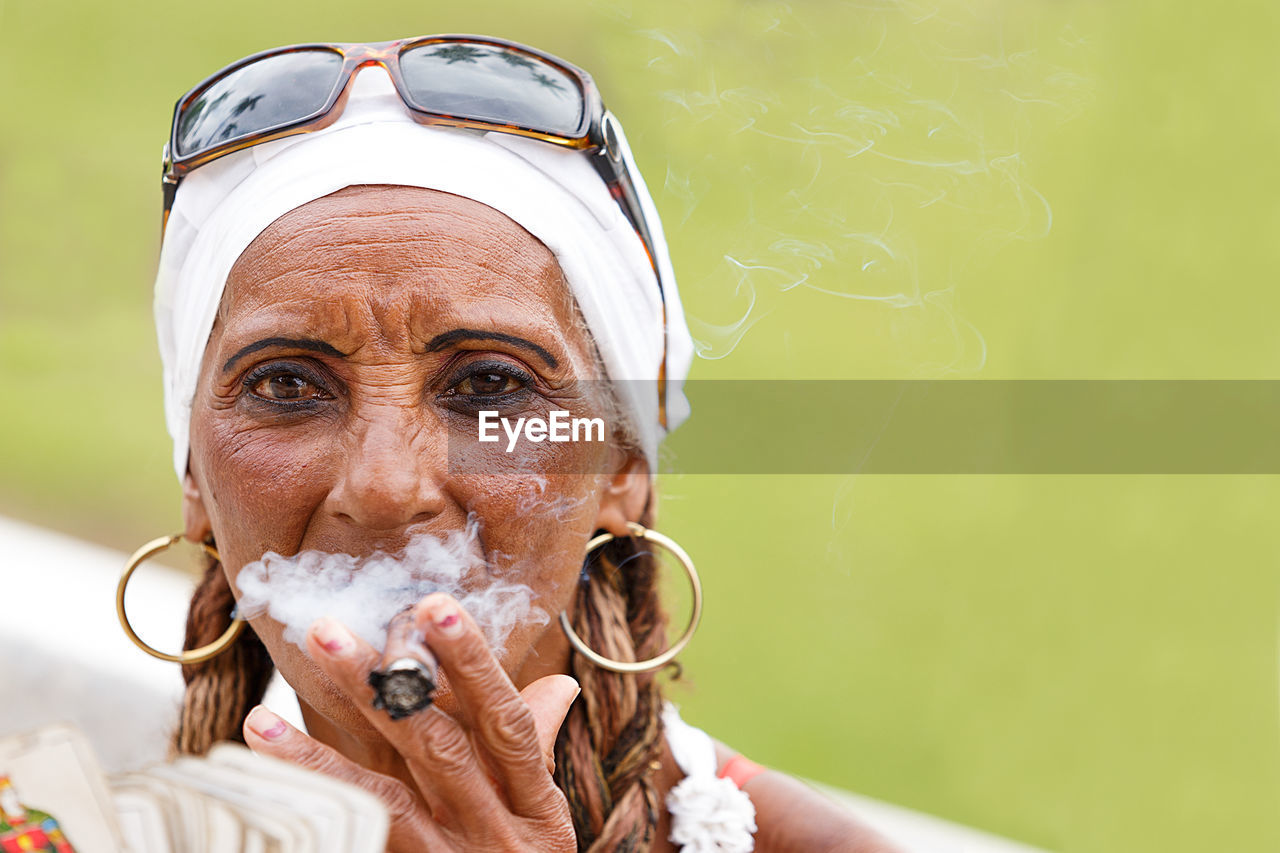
408,260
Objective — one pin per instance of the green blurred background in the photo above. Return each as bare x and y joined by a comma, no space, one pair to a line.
993,189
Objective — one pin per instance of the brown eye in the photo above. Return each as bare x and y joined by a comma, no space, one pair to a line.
286,386
488,383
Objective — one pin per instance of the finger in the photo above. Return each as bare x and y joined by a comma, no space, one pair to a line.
550,699
502,723
411,826
435,748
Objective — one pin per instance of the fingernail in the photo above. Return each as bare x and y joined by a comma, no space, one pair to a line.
265,724
333,637
445,616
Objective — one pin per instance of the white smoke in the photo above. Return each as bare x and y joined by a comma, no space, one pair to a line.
532,500
363,593
876,152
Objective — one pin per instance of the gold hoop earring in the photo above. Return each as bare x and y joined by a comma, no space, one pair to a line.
641,532
204,653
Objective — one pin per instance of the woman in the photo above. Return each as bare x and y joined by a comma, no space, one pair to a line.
365,248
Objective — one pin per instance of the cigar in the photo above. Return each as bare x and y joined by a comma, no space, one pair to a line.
405,680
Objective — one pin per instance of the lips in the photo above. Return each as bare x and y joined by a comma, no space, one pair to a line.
364,592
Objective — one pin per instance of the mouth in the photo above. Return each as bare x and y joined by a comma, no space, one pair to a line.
366,592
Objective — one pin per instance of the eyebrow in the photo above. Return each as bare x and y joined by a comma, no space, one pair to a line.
290,343
444,339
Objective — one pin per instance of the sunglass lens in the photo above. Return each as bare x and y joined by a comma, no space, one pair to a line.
492,83
270,93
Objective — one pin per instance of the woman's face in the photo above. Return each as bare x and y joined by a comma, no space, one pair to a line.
337,407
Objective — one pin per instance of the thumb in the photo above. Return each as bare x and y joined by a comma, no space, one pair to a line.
550,699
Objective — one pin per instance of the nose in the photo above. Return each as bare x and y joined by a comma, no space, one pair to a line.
392,473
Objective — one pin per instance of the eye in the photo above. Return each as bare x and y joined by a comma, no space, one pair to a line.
487,383
284,386
491,379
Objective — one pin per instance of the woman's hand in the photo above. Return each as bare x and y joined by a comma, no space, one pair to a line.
482,781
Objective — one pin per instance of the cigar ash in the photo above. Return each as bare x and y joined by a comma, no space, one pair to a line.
404,681
402,688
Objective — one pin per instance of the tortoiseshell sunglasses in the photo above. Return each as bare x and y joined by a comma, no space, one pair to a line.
455,80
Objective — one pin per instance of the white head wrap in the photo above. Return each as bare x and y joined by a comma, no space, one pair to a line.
552,192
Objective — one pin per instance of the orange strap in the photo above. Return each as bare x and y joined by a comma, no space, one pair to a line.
740,770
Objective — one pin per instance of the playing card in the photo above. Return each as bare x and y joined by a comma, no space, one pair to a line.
232,801
289,833
191,814
160,796
294,791
253,841
359,819
226,830
51,787
142,821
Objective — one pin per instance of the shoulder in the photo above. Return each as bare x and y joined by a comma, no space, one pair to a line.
791,816
788,814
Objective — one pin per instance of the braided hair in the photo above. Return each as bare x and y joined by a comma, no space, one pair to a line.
610,746
224,689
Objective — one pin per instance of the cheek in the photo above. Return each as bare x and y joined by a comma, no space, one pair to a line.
537,501
534,528
262,485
